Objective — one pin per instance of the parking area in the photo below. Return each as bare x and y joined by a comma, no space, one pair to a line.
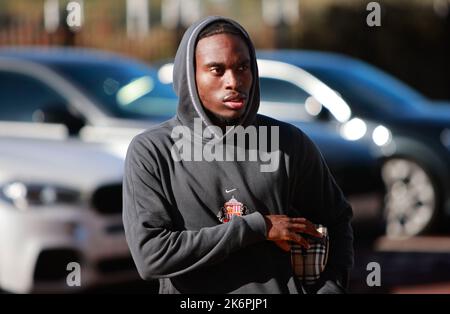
419,264
415,265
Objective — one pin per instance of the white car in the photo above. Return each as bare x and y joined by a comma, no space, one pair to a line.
60,195
60,202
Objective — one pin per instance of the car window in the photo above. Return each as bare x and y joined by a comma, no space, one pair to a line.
286,101
124,90
275,90
22,97
369,92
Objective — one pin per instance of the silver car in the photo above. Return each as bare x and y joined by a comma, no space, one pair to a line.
60,195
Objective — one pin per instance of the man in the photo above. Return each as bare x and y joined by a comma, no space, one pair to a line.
206,225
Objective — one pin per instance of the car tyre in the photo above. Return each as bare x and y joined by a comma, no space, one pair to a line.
412,198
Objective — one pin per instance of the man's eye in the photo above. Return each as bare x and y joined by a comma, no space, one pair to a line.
243,68
216,70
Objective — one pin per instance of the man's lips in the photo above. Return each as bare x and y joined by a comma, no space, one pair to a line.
235,105
235,101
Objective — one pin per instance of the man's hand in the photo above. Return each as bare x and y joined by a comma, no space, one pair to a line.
283,230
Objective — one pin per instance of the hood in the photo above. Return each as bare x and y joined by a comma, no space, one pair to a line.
439,111
189,105
426,113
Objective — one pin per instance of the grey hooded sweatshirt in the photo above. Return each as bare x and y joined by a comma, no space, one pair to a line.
171,206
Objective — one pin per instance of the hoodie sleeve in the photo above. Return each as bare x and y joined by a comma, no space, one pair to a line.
319,198
157,247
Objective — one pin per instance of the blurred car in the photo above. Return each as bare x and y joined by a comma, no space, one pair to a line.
99,101
60,195
416,171
59,203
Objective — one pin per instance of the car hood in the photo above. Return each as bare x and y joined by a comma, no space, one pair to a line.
336,150
69,162
438,110
434,114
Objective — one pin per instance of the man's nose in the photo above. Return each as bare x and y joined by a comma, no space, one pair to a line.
232,80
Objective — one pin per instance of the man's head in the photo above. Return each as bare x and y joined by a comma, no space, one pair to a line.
223,72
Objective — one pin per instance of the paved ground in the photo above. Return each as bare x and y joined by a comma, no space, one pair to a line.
415,265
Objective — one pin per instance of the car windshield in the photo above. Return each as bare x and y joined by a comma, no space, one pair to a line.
124,90
368,90
286,101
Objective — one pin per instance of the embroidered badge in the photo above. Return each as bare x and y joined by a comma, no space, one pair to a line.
231,208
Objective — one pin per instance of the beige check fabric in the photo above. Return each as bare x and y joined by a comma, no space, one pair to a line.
308,264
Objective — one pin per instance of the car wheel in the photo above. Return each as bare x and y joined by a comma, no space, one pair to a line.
411,198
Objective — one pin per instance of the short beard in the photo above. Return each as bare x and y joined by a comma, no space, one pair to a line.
221,121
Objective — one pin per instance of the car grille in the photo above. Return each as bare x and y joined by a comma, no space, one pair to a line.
107,200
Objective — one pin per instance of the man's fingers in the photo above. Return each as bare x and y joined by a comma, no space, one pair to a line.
299,219
305,228
286,229
299,240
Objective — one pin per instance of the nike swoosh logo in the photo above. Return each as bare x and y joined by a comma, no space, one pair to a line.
229,191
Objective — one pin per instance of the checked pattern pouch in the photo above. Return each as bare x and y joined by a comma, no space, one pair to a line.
308,264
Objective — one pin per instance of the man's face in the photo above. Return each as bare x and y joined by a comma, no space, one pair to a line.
223,75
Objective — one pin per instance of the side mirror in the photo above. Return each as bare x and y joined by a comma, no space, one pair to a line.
62,115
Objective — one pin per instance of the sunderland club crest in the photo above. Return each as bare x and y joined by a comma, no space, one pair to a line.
231,208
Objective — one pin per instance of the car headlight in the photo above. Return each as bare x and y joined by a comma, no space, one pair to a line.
354,129
381,135
25,195
357,129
